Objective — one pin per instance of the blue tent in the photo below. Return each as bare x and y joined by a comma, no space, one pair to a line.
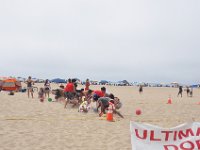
58,80
123,83
194,86
103,82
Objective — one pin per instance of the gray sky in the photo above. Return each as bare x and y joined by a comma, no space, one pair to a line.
137,40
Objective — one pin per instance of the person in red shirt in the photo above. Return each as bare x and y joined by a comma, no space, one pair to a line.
97,94
69,92
87,84
69,87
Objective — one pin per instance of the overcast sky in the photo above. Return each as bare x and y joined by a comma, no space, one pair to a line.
137,40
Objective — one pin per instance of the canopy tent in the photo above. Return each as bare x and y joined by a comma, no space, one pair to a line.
3,78
58,80
77,80
103,82
194,86
11,84
175,84
125,82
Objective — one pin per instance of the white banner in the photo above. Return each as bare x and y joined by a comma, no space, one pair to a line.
149,137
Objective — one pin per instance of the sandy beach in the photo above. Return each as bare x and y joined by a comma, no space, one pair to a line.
27,124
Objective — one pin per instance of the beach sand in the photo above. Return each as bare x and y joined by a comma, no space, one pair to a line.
27,124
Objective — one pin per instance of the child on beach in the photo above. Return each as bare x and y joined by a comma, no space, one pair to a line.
41,94
88,96
84,107
79,95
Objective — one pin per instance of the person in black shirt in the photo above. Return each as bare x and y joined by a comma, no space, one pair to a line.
180,91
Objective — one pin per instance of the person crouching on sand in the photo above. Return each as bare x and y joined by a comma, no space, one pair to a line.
69,93
104,102
97,94
59,95
41,94
88,96
79,95
117,102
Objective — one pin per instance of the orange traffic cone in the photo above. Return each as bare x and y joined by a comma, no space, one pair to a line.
169,101
110,112
109,116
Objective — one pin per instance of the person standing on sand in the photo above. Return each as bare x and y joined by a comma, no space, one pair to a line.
140,89
47,88
188,91
29,83
191,92
180,91
87,84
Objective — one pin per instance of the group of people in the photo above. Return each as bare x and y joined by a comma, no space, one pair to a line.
43,91
188,90
81,98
